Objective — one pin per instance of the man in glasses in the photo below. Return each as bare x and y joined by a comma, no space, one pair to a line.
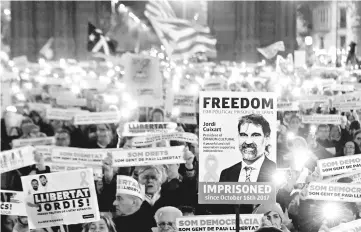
253,134
166,219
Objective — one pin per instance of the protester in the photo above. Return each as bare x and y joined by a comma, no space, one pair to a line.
105,224
166,219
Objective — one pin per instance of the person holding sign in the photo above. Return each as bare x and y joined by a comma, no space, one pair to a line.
254,133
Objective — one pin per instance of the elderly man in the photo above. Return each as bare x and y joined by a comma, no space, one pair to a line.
131,211
166,219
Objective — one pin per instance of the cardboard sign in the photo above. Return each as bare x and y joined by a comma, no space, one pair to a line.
224,223
287,106
16,158
78,155
334,192
96,118
183,102
144,80
354,176
146,128
339,165
62,114
176,136
12,203
60,198
225,134
147,156
322,119
33,142
70,101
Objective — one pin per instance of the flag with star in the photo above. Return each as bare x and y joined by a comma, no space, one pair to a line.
98,42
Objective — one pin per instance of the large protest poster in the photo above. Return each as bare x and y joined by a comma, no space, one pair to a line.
147,156
12,203
237,145
339,165
143,80
182,105
334,192
224,223
147,128
16,158
51,201
33,141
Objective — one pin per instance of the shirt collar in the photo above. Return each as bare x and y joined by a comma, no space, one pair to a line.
256,165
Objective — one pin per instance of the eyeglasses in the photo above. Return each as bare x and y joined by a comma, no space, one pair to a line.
163,224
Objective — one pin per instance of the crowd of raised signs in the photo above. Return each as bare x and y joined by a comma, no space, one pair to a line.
171,189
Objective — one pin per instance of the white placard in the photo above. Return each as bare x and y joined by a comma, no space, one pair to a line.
12,203
334,192
62,114
224,223
176,136
287,106
60,198
339,165
322,119
70,101
96,118
16,158
78,155
147,156
33,142
300,58
143,79
185,104
146,128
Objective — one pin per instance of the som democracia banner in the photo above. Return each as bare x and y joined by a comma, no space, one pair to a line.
60,198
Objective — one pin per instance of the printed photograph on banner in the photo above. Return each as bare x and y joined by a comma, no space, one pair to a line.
181,105
237,145
78,155
224,223
147,156
143,79
334,192
51,201
33,142
16,158
339,165
12,203
146,128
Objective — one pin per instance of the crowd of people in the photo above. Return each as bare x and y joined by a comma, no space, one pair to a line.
171,190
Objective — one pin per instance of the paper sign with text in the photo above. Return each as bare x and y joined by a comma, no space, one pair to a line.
287,106
78,155
146,128
334,192
354,176
352,226
64,167
62,114
322,119
44,151
33,142
70,101
96,118
224,223
143,79
176,136
185,104
12,203
343,87
147,156
60,198
235,127
16,158
339,165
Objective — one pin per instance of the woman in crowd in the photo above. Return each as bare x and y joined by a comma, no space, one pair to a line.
104,137
105,224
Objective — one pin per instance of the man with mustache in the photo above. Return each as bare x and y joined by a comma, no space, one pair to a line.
253,135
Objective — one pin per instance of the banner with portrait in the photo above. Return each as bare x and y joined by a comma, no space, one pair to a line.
237,145
60,198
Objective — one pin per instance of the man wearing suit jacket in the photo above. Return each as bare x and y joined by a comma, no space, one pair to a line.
253,134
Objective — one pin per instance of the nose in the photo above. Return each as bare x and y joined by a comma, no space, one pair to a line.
115,203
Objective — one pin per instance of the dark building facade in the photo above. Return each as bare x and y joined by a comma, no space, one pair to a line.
243,26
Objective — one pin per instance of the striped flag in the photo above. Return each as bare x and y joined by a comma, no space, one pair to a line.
272,50
181,38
